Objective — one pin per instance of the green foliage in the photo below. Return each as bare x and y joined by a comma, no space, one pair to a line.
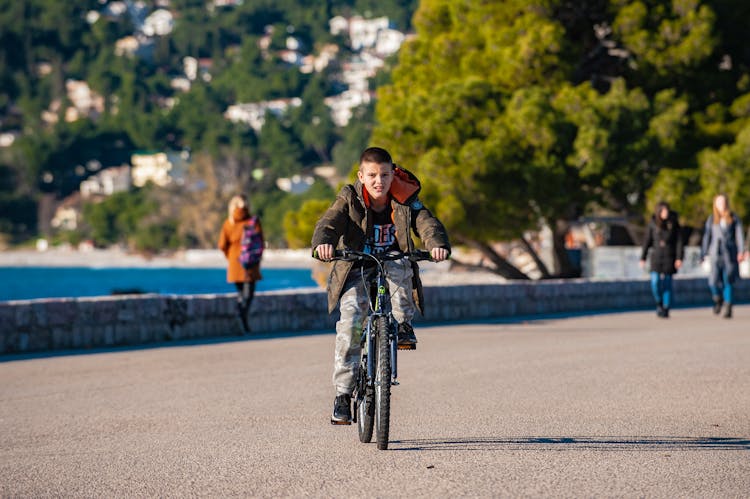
681,189
17,216
509,112
354,139
157,237
512,113
279,148
273,206
667,37
721,169
39,53
486,108
312,120
130,219
726,170
299,225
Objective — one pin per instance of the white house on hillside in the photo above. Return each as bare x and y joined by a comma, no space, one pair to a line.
85,101
7,138
159,23
388,42
127,45
161,168
296,184
342,105
338,25
106,182
363,33
254,113
67,213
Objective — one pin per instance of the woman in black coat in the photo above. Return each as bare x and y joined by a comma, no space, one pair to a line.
665,241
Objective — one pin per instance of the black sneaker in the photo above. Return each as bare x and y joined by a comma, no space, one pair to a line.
242,312
718,302
728,311
342,412
407,340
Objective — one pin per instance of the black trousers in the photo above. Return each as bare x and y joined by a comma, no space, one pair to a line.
245,293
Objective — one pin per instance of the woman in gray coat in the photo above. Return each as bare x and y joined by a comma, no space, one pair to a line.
723,244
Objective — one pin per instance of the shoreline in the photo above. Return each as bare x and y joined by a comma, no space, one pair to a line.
432,274
113,257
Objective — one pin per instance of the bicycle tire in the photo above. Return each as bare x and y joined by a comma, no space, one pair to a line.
365,408
382,383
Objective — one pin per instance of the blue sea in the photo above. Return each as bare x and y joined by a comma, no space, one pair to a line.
23,283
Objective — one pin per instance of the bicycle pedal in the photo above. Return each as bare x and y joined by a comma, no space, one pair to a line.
407,347
340,423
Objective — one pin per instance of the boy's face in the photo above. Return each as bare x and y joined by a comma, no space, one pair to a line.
377,178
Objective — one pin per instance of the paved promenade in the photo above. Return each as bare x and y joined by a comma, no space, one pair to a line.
619,405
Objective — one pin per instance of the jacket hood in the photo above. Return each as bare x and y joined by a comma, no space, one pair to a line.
404,188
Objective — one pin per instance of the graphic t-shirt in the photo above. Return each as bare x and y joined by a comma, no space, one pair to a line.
383,234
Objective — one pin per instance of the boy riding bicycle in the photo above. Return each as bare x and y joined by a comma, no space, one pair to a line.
374,215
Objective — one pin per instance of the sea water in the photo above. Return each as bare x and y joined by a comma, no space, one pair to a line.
23,283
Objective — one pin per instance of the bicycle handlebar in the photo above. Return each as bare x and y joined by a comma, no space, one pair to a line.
355,256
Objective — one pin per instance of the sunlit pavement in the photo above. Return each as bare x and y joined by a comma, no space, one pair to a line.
623,404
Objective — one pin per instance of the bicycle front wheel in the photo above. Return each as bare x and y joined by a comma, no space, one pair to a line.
365,406
382,383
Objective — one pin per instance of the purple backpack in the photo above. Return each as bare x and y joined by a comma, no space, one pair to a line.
251,244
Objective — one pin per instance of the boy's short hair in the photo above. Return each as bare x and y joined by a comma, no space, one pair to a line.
375,155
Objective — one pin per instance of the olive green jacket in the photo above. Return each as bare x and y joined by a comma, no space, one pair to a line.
345,225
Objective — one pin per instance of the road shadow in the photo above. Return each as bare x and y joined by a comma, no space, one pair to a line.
574,444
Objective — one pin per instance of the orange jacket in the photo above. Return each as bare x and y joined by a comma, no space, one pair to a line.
229,244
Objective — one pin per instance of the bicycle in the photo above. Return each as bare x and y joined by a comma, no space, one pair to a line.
378,367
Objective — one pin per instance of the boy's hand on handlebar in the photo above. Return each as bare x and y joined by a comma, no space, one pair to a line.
439,254
324,252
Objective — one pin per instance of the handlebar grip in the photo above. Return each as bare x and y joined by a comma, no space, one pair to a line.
338,254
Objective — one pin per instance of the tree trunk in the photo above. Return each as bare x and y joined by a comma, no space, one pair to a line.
502,266
535,256
565,267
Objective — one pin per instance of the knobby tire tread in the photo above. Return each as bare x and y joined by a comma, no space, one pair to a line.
383,384
365,409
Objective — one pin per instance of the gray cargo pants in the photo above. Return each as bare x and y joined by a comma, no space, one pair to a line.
354,308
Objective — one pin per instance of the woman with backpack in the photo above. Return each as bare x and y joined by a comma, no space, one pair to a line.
241,241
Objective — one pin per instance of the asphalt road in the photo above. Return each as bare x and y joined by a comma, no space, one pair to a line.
620,405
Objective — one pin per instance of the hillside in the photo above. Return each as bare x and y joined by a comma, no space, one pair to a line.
246,93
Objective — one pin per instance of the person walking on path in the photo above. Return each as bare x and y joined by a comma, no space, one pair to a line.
664,239
723,244
230,243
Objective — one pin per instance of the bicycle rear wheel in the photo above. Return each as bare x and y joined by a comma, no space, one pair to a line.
366,406
382,383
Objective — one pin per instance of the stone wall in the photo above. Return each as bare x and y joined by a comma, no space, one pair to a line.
61,324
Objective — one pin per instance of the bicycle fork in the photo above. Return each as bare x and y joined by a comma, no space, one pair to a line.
393,343
371,347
